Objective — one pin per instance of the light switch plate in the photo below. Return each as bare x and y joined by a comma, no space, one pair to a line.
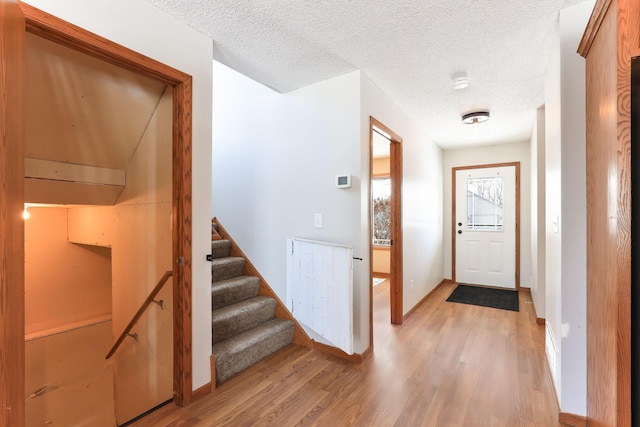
317,220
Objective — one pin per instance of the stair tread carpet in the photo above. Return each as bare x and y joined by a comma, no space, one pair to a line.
236,318
220,248
236,289
243,350
226,268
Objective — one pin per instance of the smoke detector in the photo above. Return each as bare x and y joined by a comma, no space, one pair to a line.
460,80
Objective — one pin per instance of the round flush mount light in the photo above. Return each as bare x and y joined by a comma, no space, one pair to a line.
460,80
475,117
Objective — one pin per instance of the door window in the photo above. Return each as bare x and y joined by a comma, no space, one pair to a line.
485,201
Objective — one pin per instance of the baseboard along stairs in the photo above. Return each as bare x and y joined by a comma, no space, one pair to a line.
244,323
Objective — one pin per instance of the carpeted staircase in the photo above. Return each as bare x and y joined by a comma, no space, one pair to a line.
245,329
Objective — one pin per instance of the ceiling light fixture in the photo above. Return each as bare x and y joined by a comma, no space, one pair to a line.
475,117
460,80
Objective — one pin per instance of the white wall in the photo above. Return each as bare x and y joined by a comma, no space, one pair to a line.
574,211
275,158
515,152
538,221
566,201
422,194
553,211
141,27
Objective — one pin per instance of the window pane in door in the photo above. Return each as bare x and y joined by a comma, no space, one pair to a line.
381,194
485,201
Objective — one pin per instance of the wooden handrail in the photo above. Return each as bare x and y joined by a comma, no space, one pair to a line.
141,310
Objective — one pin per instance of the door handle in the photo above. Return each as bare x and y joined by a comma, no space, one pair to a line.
459,224
459,231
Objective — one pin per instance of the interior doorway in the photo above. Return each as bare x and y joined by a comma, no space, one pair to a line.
98,164
385,198
68,35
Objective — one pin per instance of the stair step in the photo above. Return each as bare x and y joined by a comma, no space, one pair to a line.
241,351
236,318
220,248
226,268
231,291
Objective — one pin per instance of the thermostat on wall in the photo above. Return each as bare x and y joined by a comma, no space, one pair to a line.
343,181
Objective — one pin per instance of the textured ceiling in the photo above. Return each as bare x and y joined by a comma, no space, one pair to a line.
408,48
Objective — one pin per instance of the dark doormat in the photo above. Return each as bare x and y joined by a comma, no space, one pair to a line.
504,299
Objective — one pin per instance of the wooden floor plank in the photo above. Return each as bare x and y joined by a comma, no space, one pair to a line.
449,365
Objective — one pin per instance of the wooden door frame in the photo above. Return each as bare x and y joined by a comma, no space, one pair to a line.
453,213
12,362
396,267
64,33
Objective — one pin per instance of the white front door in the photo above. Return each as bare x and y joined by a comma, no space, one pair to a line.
485,226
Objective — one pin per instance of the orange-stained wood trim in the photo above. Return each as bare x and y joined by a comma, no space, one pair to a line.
539,320
571,420
370,232
52,28
201,392
214,234
396,288
608,67
49,27
212,362
394,136
601,245
396,173
627,25
518,204
328,349
182,242
593,26
299,335
453,213
12,354
208,388
141,310
426,297
633,29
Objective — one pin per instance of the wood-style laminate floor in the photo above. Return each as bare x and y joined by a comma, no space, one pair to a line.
448,365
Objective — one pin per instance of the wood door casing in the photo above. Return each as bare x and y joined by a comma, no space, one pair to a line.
396,267
12,363
397,285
